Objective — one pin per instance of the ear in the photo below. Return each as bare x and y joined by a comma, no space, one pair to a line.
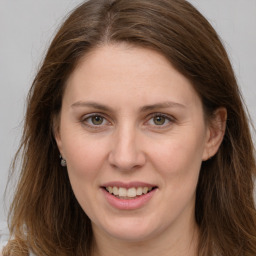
56,133
215,133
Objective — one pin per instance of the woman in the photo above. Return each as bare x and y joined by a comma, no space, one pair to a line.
135,140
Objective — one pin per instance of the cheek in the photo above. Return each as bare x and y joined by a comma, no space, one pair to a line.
179,165
85,161
179,158
84,156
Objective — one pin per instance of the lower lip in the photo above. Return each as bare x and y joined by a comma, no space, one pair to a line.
128,204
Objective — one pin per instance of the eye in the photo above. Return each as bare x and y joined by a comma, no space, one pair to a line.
160,120
94,120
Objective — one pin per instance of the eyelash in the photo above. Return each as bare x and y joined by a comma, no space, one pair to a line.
167,118
85,119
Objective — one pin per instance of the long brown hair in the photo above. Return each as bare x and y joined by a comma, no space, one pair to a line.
45,216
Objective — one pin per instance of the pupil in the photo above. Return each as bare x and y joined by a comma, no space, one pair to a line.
97,120
159,120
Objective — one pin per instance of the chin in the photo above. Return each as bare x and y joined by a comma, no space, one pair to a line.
134,235
130,230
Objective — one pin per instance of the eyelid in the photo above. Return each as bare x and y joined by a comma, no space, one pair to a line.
90,115
170,118
107,119
86,116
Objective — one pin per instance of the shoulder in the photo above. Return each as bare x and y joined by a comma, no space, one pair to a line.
4,236
2,245
1,248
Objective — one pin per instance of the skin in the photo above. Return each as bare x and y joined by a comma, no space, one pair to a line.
127,143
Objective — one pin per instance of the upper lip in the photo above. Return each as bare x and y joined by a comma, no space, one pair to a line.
133,184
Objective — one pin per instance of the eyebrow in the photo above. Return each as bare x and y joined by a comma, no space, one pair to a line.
167,104
91,104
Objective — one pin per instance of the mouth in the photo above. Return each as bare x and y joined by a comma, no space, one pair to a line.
128,193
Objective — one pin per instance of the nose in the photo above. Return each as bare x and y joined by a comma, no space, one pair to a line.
126,150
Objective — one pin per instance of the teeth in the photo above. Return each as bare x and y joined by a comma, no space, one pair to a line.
110,190
139,191
115,191
122,192
145,190
130,193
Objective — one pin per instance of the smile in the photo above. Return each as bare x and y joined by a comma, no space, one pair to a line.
128,196
128,193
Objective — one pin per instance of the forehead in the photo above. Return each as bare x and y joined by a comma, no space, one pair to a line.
125,71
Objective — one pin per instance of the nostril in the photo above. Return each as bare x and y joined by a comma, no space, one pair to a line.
126,154
127,163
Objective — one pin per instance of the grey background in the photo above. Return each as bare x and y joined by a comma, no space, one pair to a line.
27,27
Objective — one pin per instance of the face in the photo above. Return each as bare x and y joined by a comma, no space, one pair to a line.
133,134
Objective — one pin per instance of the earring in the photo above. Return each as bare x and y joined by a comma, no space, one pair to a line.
63,162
